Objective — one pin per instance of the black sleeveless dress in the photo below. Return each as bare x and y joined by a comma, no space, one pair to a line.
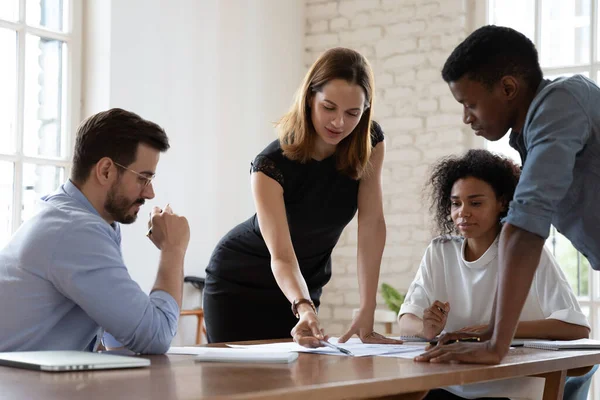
241,298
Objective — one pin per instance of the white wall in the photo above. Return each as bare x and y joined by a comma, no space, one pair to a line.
214,74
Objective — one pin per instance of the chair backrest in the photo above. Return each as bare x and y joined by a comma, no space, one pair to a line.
577,387
196,281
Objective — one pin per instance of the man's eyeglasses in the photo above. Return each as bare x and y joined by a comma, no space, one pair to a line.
147,180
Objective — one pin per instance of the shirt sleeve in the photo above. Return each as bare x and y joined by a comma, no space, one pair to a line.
420,291
268,167
558,131
554,293
377,135
93,275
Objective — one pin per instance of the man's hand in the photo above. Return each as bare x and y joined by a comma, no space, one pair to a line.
169,230
434,319
455,336
473,353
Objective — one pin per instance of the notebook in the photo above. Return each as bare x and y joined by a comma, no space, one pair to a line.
66,360
220,354
580,344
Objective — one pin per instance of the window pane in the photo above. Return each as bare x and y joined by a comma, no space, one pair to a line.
516,14
565,32
9,9
44,96
38,180
574,265
50,14
6,198
552,77
8,89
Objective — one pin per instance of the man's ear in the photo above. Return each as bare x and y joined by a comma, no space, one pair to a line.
510,87
105,171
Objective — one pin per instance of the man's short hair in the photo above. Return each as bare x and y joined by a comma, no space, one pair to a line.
116,134
491,52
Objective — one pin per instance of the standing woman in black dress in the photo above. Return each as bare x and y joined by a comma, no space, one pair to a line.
307,186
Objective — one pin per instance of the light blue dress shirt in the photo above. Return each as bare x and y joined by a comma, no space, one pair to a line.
63,280
560,151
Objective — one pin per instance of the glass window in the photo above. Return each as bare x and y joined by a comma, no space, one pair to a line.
6,200
44,97
516,14
50,14
38,103
38,180
9,10
565,27
8,89
574,265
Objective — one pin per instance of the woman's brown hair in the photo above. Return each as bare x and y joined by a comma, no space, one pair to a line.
296,131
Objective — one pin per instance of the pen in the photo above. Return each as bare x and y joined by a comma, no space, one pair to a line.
442,310
150,229
471,339
338,348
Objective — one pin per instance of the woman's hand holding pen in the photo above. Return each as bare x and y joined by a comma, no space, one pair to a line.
307,332
434,319
362,325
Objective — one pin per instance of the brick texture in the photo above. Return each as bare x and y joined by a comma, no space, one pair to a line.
407,42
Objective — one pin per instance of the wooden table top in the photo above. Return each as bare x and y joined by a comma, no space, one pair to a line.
310,377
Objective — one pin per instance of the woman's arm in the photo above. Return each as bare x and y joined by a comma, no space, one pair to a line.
371,230
551,329
272,219
410,325
371,240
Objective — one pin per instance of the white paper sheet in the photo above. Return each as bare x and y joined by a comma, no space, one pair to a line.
354,345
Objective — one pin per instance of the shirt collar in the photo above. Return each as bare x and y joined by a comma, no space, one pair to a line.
514,134
73,191
490,254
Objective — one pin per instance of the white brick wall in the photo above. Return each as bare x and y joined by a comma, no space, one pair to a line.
407,42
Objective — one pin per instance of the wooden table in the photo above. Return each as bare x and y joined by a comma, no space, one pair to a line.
311,377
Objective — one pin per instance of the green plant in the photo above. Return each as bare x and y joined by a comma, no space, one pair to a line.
392,297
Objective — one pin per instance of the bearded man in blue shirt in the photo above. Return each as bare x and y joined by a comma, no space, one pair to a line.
63,281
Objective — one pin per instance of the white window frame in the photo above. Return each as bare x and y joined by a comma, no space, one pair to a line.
71,112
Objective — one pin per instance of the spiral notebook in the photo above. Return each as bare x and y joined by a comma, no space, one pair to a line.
580,344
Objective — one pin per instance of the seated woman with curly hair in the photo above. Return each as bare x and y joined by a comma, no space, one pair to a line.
456,281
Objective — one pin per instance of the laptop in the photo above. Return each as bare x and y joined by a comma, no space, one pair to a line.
66,360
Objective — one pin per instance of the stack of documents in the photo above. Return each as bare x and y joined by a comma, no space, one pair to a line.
220,354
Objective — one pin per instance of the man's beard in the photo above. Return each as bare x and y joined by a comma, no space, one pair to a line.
118,206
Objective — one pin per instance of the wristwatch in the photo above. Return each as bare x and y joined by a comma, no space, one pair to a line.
297,302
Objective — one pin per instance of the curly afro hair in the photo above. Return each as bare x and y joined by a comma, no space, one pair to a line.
499,172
